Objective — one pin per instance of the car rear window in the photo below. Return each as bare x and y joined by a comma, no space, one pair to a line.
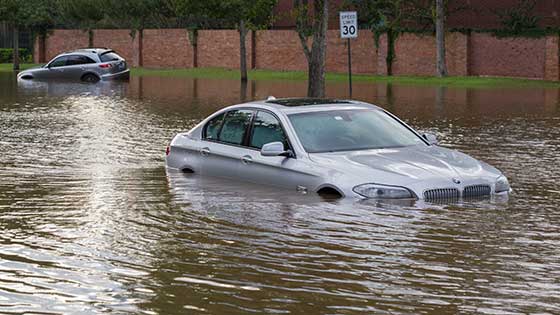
110,56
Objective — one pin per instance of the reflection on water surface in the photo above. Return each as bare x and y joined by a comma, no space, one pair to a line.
93,223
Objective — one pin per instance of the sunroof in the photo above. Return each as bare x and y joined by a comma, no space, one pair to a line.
306,101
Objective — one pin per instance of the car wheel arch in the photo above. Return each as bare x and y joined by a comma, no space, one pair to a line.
85,75
329,191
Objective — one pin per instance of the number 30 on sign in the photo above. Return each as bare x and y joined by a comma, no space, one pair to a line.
348,24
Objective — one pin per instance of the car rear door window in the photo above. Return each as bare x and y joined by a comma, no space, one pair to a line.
78,60
235,126
59,62
266,129
213,127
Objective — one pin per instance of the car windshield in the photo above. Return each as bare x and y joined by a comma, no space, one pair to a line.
348,130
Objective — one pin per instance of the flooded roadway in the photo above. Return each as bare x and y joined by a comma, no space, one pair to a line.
92,223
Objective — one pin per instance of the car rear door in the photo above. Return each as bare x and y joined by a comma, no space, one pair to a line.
223,145
76,66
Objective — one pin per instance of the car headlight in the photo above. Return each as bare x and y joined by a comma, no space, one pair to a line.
502,184
383,191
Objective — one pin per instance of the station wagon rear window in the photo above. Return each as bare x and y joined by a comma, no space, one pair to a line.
109,56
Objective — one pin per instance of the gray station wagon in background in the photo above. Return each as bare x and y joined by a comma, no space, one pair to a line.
338,148
87,65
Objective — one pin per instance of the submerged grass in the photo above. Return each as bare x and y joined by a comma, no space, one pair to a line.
221,73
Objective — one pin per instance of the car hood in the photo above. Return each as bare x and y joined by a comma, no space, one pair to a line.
407,164
32,68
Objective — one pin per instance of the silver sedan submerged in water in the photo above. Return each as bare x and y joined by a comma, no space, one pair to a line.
87,65
332,147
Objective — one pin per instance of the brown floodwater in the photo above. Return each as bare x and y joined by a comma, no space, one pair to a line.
92,223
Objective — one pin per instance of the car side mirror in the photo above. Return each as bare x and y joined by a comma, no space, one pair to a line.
431,138
275,149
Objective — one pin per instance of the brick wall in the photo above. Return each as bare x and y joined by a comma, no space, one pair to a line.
220,48
279,50
510,57
467,54
119,40
64,40
169,48
416,54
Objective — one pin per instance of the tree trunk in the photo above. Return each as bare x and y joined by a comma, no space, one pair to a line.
90,38
16,48
193,37
317,60
141,48
41,43
441,68
242,51
391,37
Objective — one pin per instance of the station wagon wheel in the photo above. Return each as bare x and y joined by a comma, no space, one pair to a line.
90,78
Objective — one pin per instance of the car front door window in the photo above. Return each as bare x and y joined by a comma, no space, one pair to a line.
58,62
266,129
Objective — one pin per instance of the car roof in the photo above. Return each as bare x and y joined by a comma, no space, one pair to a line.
302,105
90,50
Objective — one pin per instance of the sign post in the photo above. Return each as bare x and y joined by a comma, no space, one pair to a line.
349,30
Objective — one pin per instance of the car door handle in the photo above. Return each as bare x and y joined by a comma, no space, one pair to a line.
246,159
205,151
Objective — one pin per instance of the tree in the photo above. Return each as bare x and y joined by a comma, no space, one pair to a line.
193,15
247,15
82,14
386,17
314,27
244,15
137,15
441,67
34,15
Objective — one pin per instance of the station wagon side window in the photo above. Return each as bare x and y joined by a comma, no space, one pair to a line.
59,62
235,126
266,129
212,128
78,60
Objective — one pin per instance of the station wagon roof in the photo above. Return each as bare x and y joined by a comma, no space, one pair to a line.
90,50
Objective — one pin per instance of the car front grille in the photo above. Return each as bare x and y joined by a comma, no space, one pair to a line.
476,191
442,194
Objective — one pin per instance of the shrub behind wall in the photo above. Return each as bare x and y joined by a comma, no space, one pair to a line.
7,55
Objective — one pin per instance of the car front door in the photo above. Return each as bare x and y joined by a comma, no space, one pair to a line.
53,70
283,171
222,148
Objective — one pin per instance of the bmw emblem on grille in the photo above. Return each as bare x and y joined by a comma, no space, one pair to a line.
456,181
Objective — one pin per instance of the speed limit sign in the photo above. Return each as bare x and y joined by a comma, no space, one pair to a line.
348,24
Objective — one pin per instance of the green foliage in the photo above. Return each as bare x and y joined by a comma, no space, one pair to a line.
82,14
36,15
7,55
519,19
196,14
137,14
